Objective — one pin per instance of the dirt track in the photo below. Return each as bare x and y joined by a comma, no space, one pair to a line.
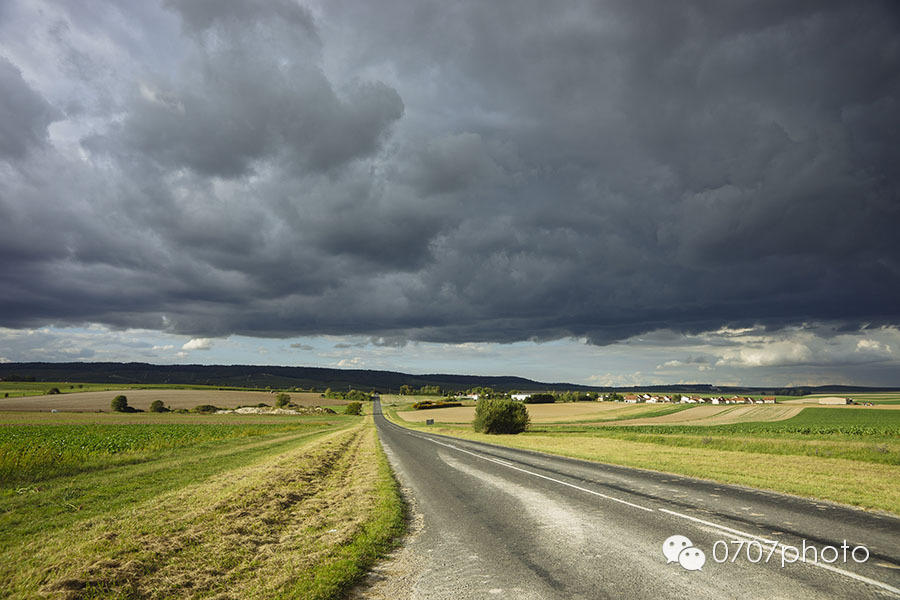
94,401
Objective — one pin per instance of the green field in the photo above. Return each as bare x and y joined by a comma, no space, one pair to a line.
191,506
844,454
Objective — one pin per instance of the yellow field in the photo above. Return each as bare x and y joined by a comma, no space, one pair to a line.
94,401
720,415
539,413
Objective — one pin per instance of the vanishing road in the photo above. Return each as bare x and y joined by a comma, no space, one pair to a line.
504,523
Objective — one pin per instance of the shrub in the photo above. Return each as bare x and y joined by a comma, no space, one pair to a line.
205,408
354,408
500,416
426,404
119,404
540,399
52,391
282,400
157,406
357,396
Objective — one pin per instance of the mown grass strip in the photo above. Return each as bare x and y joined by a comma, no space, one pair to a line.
304,520
377,535
32,509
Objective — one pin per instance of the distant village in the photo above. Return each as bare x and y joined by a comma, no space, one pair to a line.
641,398
679,399
631,398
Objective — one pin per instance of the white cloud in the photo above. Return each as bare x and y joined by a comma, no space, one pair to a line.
198,344
873,346
164,347
766,355
351,362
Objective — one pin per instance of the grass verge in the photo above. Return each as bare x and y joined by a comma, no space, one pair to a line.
296,514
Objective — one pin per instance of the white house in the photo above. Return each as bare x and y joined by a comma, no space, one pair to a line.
520,397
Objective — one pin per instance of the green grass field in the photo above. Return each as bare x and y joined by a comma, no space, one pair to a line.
191,506
844,454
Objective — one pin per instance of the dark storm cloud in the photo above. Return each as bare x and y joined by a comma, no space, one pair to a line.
24,114
459,171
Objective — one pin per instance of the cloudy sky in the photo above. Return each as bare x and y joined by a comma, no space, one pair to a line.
610,192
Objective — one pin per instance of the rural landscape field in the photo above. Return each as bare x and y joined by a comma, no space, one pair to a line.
168,505
182,496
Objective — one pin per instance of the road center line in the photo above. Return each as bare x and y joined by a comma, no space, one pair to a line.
749,536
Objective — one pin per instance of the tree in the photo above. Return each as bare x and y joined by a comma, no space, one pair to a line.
157,406
119,404
544,398
282,400
52,391
500,416
357,396
406,390
354,408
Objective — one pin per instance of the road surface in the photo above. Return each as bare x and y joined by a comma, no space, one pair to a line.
506,523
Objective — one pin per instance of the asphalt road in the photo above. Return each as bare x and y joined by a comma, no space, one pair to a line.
505,523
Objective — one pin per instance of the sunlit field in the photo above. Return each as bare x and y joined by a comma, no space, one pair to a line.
186,506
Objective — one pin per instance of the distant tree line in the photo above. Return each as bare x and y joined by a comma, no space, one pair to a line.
351,395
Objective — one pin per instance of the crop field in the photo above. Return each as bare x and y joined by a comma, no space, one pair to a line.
844,454
191,506
546,413
718,415
141,398
623,414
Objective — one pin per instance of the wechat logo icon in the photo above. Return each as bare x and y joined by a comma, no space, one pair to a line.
680,549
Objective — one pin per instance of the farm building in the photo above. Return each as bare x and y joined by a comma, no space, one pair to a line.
520,397
834,400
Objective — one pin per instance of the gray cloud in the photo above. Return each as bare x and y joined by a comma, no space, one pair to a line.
24,114
475,172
